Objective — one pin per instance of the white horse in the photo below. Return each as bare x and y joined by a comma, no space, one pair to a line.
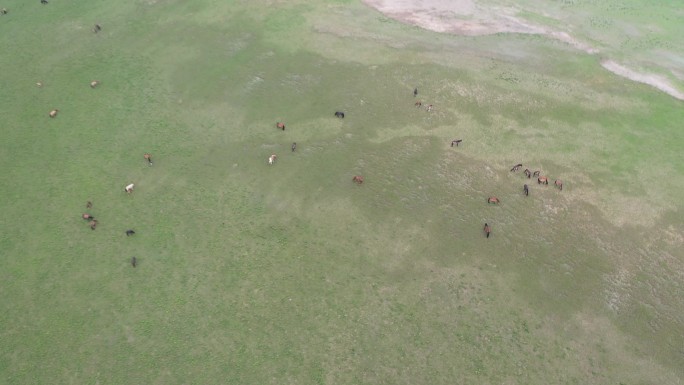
272,158
129,188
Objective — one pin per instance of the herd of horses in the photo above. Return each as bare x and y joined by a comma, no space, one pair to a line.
358,179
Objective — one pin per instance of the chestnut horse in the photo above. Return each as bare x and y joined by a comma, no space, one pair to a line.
487,230
494,200
280,125
358,179
559,184
148,157
542,180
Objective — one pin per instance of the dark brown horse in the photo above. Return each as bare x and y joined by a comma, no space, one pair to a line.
542,180
418,104
415,92
559,184
97,28
526,190
339,114
456,142
294,146
134,262
528,173
93,224
358,179
494,200
516,167
89,205
535,174
280,125
487,230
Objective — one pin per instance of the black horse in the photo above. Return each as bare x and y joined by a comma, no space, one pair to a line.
294,146
134,261
487,230
415,92
129,233
456,142
97,28
43,1
526,190
339,114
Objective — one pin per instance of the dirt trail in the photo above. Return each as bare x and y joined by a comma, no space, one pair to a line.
467,17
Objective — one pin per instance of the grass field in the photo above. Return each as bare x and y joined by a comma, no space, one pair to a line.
292,274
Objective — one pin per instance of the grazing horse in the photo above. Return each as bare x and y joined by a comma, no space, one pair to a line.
487,230
97,28
494,200
429,108
129,233
528,173
415,92
542,180
280,125
526,190
358,179
89,205
129,188
456,142
93,224
3,11
418,104
43,1
272,158
516,167
87,216
339,114
134,262
559,184
94,83
294,146
535,174
39,84
148,157
53,113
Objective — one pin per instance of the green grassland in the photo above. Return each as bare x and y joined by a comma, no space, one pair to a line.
291,273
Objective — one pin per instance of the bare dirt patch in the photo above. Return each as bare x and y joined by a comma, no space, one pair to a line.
470,18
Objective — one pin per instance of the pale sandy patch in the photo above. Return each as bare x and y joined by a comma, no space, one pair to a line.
468,17
657,81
